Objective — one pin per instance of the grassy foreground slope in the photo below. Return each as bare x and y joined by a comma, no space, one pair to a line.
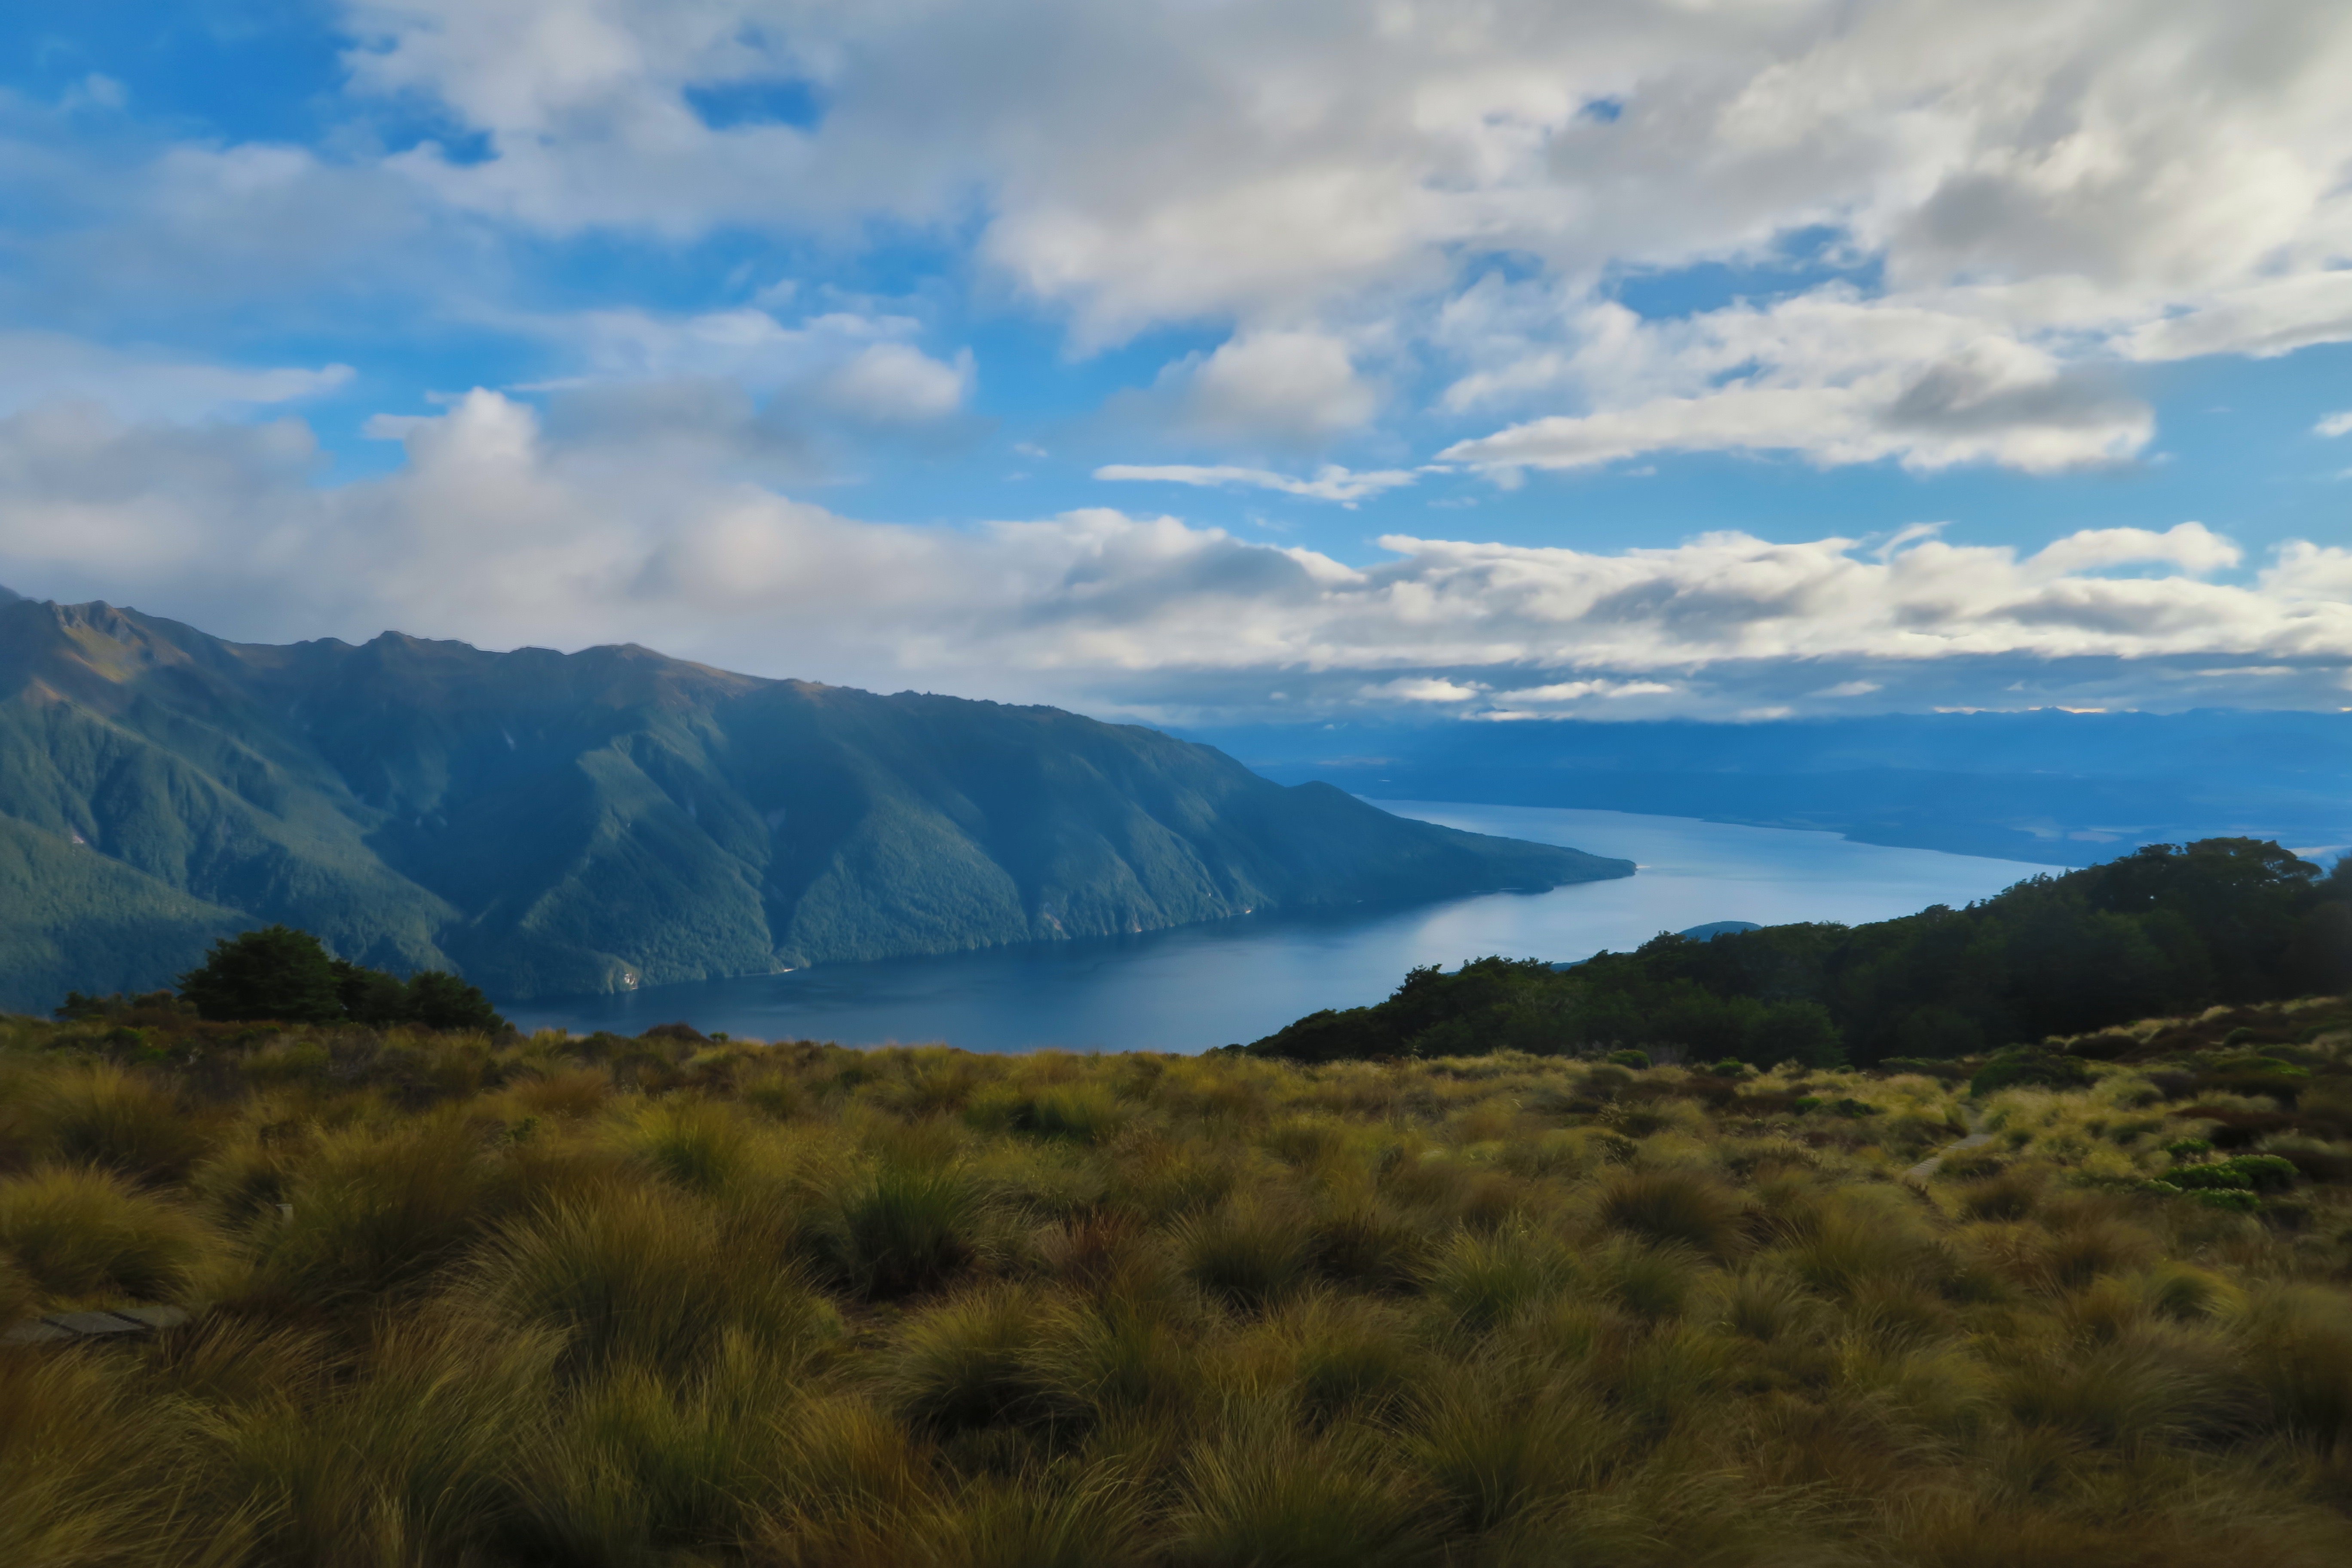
552,824
670,1301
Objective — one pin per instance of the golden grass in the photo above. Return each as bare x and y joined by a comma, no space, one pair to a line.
557,1302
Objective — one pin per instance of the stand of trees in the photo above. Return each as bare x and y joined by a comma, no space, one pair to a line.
2166,929
286,975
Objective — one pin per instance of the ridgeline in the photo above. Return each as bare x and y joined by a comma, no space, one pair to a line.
548,824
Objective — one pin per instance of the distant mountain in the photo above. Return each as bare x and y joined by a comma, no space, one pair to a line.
2056,788
553,824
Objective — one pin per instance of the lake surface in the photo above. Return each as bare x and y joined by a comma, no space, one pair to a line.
1197,986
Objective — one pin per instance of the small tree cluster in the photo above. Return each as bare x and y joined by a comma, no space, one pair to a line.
286,976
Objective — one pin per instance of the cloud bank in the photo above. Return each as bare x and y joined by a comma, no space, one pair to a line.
1952,220
567,541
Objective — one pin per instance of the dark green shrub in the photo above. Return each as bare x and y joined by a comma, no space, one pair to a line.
441,1001
1629,1058
2252,1173
274,973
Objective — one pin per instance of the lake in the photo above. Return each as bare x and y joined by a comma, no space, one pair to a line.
1197,986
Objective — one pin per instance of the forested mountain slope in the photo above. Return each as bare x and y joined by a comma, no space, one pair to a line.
549,823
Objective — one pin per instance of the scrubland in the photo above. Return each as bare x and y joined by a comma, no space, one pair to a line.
458,1300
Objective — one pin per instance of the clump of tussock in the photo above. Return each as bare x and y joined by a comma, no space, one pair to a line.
1262,1492
640,1276
73,1233
1482,1280
96,1113
1673,1205
900,1228
1247,1252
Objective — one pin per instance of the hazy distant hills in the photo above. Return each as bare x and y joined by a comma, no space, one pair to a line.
555,823
2059,788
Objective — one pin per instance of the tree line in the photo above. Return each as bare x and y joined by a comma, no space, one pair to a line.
287,976
2167,929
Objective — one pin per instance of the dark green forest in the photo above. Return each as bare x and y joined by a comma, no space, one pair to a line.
2167,928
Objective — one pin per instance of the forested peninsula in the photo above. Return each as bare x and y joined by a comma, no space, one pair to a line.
2167,928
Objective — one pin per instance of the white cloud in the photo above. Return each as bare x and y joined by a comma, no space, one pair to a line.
1285,386
2334,424
1565,692
1331,483
1422,689
2019,177
2189,546
1851,689
891,383
1829,375
860,364
501,528
1259,390
42,367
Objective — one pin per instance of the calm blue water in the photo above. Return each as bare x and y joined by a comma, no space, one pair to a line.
1204,985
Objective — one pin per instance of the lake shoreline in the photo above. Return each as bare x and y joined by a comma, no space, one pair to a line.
1188,988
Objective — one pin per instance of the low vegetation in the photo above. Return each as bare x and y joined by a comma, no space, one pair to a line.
479,1299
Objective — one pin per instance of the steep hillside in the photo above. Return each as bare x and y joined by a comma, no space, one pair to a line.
553,824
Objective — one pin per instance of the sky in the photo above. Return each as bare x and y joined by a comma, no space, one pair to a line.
1205,362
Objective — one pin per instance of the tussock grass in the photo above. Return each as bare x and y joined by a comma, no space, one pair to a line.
640,1276
73,1232
1674,1205
98,1114
664,1303
900,1228
1249,1252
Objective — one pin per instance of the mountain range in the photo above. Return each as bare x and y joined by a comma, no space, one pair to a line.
2046,785
553,824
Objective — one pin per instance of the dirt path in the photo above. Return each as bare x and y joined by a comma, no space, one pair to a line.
1935,1161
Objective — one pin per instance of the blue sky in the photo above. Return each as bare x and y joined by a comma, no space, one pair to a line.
1202,361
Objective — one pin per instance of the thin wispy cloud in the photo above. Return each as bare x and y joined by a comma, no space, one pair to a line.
1331,483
